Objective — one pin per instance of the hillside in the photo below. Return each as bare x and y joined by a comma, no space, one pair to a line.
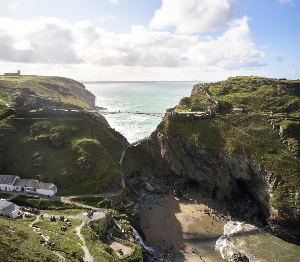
49,131
234,158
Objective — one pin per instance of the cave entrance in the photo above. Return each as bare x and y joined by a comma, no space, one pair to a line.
242,189
193,189
192,184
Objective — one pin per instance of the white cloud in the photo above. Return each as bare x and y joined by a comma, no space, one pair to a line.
36,41
23,45
233,48
114,1
193,16
104,18
57,41
14,7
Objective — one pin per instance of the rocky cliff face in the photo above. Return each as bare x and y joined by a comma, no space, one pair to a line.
240,177
243,186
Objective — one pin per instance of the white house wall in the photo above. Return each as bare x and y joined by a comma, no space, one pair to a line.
6,188
14,214
46,192
50,192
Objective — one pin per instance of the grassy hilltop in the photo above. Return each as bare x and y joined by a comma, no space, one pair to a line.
268,130
40,139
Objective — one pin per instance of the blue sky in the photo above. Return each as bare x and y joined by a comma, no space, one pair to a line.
205,40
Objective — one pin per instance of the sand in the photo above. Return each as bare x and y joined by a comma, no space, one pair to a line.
182,228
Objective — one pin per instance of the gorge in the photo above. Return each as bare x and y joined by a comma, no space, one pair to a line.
248,163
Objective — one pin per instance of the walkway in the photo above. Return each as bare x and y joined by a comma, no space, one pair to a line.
36,230
160,114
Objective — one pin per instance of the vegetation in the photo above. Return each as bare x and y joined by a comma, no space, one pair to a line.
136,159
99,202
36,145
19,243
40,203
268,131
54,91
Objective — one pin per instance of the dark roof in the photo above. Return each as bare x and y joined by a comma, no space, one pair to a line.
25,182
41,185
7,179
3,203
9,208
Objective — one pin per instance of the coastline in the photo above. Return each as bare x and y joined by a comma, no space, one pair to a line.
184,229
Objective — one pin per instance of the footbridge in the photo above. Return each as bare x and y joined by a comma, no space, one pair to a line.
159,114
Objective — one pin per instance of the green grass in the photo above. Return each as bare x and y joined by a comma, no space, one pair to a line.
46,224
69,91
259,142
281,199
60,165
99,202
96,248
136,159
64,212
248,134
21,243
4,195
41,203
67,242
28,151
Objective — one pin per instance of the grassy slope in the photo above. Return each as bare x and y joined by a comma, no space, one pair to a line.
59,165
10,88
82,139
19,243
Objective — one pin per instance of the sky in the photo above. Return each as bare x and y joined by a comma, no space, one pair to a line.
150,40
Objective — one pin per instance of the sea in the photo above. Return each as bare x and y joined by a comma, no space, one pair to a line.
135,109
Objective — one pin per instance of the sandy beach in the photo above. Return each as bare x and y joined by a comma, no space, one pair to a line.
185,229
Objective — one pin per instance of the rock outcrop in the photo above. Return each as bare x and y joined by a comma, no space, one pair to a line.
241,185
240,174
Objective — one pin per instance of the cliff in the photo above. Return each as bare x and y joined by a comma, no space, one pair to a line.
249,162
50,132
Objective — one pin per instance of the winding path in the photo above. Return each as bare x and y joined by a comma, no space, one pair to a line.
36,230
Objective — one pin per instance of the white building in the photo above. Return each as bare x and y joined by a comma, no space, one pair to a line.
8,209
45,188
237,110
25,185
7,182
14,183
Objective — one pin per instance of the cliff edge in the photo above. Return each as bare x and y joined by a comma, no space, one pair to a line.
248,159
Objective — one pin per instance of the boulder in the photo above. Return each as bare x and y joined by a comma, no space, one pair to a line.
148,187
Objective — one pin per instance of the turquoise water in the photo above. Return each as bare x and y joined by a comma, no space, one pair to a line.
139,97
256,244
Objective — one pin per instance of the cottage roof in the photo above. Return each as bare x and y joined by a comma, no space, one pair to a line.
7,179
3,203
238,109
25,182
41,185
11,207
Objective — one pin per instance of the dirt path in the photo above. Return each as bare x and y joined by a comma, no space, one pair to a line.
36,230
87,255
